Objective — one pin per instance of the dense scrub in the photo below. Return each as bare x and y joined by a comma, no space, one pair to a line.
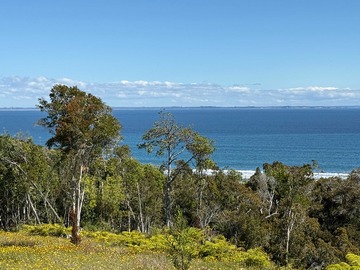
294,219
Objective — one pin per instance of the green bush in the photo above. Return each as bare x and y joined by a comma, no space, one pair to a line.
220,250
183,245
47,230
339,266
255,258
217,249
134,239
353,263
354,260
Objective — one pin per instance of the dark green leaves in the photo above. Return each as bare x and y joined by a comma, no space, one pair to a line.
78,120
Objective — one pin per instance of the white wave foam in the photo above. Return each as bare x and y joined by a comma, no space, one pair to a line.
246,174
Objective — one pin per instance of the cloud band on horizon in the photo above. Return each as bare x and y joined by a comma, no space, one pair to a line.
25,91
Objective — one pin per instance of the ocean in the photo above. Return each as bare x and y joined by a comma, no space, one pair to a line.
244,138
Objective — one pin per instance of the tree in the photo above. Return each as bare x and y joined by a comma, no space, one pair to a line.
335,204
104,194
14,197
292,189
174,141
265,186
26,183
202,148
142,185
83,128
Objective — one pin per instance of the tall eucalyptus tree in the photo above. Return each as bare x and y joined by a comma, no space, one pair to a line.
82,128
179,145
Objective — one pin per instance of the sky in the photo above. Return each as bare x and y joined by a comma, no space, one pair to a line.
159,53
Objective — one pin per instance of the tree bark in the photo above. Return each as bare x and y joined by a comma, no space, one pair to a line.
140,209
75,214
289,228
167,204
37,220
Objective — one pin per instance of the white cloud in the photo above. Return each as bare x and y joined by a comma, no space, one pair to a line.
314,88
319,88
24,92
239,89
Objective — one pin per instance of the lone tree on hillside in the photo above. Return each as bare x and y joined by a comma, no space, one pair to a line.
173,141
83,128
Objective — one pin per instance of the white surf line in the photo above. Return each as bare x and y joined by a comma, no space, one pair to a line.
246,174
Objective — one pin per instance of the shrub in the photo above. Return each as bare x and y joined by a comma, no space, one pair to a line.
354,260
339,266
47,230
183,243
217,249
255,258
183,246
353,263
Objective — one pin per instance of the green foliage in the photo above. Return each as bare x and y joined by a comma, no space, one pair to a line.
179,145
28,183
183,243
256,258
83,129
47,230
96,128
134,239
187,243
218,249
353,263
354,260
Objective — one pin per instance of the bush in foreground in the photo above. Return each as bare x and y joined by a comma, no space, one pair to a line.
353,263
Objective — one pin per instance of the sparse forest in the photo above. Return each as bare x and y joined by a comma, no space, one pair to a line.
84,179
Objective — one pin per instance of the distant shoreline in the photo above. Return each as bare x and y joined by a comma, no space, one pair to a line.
199,107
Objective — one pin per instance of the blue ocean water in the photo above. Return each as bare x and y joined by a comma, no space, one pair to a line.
245,138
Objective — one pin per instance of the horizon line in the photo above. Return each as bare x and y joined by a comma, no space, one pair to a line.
207,107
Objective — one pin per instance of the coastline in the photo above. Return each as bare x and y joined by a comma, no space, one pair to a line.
246,174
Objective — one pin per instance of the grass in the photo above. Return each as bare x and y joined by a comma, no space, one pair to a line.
23,251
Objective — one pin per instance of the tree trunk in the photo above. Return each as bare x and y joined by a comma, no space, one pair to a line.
46,202
167,199
37,220
75,230
75,214
167,204
289,229
140,209
199,206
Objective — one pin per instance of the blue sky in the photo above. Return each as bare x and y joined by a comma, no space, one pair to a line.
182,53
